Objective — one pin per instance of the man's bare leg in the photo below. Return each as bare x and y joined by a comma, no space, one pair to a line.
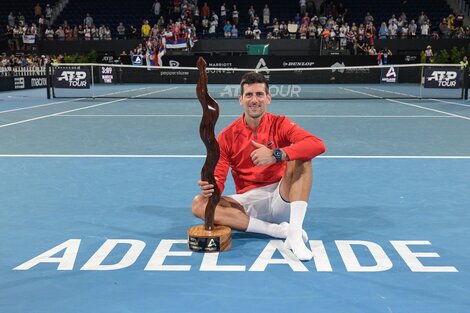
295,188
231,213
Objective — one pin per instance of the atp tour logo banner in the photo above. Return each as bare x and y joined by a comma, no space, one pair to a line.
389,75
442,78
72,78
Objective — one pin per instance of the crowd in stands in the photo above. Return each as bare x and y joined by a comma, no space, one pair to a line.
189,20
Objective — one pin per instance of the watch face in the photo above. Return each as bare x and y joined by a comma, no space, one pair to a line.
277,154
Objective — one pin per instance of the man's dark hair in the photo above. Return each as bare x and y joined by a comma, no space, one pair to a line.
253,78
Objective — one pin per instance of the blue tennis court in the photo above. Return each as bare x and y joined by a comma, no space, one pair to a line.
95,205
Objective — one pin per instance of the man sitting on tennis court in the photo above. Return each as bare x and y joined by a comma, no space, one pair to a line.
270,160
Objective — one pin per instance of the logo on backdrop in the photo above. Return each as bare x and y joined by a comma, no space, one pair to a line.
72,78
336,65
263,66
174,63
389,75
137,59
19,82
441,78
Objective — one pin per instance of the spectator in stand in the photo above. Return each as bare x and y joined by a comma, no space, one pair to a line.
145,29
235,14
227,30
293,28
11,19
368,18
303,31
80,32
425,29
88,21
176,7
48,14
60,34
196,15
107,33
223,13
42,26
428,54
422,18
459,19
213,29
393,30
248,33
49,34
303,6
405,31
88,33
69,33
133,32
412,29
251,14
155,32
37,11
256,33
21,19
121,31
444,28
95,33
234,32
450,21
205,11
156,8
205,26
266,15
383,31
312,30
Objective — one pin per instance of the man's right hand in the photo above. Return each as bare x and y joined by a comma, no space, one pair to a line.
206,189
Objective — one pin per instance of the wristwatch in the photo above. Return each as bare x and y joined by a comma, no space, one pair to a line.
277,154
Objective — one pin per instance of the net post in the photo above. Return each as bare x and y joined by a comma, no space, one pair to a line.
48,80
421,82
92,82
465,83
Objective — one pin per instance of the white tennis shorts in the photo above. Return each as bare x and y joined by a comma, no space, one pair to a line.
265,203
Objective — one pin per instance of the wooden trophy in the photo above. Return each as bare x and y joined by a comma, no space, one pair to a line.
209,237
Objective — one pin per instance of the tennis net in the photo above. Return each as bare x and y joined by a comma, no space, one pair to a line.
421,81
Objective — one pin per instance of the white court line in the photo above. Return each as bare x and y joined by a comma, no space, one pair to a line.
405,94
157,91
78,99
228,115
429,109
449,102
394,92
55,114
412,105
362,93
40,105
189,156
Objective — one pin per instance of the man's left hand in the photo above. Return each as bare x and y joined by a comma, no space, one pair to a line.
262,156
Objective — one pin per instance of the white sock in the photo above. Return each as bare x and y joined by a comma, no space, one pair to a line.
294,235
271,229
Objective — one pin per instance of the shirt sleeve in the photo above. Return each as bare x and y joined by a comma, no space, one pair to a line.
221,170
299,143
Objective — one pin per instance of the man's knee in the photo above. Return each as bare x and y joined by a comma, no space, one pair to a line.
297,167
198,206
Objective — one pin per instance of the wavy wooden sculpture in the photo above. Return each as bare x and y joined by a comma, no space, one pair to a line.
209,237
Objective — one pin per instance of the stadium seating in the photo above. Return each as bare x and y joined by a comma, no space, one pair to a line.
111,12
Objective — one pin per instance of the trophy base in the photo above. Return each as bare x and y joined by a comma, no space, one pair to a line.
201,240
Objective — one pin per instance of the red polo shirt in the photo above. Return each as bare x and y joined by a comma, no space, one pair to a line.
274,131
